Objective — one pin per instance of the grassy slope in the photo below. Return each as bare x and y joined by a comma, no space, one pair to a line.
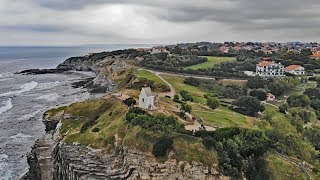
220,117
283,170
212,60
141,73
112,122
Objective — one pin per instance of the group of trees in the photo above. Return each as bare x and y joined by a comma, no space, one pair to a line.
232,91
248,105
240,151
156,123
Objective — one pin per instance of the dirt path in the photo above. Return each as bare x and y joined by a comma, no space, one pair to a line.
172,90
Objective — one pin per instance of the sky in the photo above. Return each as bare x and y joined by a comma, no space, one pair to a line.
81,22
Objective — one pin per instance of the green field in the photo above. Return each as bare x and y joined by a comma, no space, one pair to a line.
142,73
222,117
177,83
212,60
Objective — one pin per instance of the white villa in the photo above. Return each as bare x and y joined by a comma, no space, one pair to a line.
147,99
270,69
295,69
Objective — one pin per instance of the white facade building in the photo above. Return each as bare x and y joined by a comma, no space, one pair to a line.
270,69
295,69
147,99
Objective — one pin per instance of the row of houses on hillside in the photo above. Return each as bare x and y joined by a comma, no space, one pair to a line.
273,69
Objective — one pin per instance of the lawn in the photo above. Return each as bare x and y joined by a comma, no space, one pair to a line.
212,60
141,73
281,169
222,117
179,85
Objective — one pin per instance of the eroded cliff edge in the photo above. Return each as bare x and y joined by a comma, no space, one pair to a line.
118,150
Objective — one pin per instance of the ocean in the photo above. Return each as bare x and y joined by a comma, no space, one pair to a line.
24,98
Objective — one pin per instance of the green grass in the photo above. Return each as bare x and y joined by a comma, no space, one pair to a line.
179,85
283,170
222,117
299,89
141,73
212,60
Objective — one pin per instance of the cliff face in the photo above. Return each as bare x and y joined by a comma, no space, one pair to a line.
78,162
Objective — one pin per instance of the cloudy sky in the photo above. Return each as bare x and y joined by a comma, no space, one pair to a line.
74,22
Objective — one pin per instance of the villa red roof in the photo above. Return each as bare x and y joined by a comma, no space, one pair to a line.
292,67
265,63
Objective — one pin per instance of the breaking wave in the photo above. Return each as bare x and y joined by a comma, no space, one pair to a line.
24,88
7,106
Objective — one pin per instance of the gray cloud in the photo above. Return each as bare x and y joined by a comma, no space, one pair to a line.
160,21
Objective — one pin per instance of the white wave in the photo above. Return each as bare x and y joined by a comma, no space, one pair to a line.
27,87
49,97
24,88
48,85
20,136
28,116
5,174
7,105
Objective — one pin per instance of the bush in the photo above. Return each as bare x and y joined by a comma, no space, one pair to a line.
186,108
312,93
284,108
162,146
95,130
315,104
89,124
259,94
186,96
276,88
130,102
213,102
231,91
176,99
248,105
257,83
192,81
298,101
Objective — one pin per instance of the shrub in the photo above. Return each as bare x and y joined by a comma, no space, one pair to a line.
298,101
186,96
315,104
284,108
162,146
192,81
130,101
312,93
256,83
213,102
259,94
91,122
231,91
186,108
95,130
176,99
248,105
276,88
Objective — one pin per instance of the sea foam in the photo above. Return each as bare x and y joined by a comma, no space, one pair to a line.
7,105
24,88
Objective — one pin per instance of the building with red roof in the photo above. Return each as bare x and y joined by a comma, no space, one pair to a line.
295,69
269,69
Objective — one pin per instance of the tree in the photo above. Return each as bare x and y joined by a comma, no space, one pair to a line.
231,91
213,102
192,81
162,146
312,93
315,104
186,96
276,88
185,107
248,105
130,101
256,83
298,101
259,94
176,50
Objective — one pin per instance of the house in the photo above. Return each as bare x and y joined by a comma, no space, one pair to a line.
295,69
271,97
147,99
315,55
159,49
269,69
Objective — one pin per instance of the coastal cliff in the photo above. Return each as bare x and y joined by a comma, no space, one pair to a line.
64,153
